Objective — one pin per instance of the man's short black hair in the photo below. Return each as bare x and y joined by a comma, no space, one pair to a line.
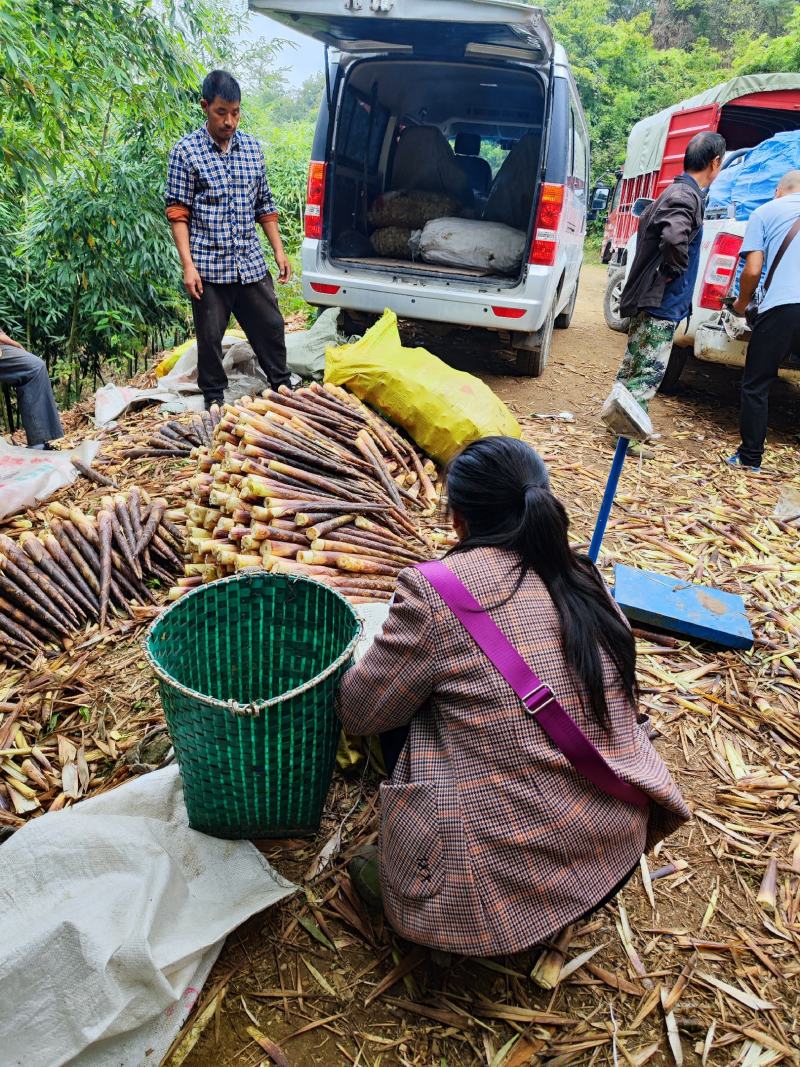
702,150
223,85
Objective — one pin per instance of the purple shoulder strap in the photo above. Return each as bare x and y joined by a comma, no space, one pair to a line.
536,696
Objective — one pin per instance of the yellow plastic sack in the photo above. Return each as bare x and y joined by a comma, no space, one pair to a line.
172,357
442,409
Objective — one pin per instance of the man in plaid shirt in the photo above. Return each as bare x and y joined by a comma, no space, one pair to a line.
216,191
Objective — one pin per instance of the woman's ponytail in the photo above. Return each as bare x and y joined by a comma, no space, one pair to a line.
500,489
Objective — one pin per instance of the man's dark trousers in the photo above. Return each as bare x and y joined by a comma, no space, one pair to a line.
256,309
37,406
776,335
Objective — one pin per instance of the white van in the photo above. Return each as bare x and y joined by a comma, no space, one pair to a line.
464,109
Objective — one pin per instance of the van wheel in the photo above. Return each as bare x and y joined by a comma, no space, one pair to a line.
677,361
565,317
616,283
530,362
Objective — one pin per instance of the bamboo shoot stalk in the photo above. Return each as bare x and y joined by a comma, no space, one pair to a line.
275,533
347,562
271,548
17,579
157,509
135,510
41,577
364,596
357,550
372,581
331,487
159,545
290,566
65,562
106,533
38,579
17,633
322,529
766,898
39,554
310,518
51,626
367,448
120,535
85,539
63,539
366,524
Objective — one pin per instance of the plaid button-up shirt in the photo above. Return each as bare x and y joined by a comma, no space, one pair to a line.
226,193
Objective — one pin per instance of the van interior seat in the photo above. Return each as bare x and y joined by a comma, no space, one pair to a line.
424,160
511,196
468,154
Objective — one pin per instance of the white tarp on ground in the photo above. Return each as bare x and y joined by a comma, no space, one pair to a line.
111,916
305,356
647,138
28,475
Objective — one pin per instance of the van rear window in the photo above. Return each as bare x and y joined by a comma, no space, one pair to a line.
362,126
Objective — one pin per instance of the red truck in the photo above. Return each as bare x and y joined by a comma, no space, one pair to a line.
747,111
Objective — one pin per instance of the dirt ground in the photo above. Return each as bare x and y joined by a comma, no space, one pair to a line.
688,969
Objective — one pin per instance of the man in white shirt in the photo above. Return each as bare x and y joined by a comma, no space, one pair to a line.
776,334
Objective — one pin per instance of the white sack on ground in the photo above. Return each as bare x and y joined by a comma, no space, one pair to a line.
305,355
305,351
471,243
114,400
111,913
30,475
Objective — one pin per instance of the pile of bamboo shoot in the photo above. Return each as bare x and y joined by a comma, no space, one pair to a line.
174,439
83,569
311,483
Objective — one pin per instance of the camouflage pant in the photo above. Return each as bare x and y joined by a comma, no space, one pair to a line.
647,356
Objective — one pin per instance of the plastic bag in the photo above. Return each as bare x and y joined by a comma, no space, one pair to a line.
393,241
30,475
410,210
757,178
487,246
442,409
305,350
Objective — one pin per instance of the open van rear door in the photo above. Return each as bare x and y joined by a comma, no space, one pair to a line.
446,28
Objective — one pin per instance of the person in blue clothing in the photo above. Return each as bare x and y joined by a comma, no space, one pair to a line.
658,292
776,335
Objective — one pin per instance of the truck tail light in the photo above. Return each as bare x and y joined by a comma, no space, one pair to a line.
548,217
720,269
315,200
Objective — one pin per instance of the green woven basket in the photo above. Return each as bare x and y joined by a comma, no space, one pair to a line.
248,669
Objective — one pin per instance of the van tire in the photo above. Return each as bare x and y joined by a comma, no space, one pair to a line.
564,318
614,321
530,362
677,361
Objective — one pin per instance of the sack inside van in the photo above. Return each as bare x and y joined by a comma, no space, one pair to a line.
435,167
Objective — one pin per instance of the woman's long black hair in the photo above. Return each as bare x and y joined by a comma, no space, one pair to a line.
500,488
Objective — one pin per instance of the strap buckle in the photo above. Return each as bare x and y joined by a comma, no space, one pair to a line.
538,699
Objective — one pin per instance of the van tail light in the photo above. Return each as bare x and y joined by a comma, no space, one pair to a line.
315,200
548,217
720,269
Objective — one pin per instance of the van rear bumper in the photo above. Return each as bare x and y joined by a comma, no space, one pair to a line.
432,299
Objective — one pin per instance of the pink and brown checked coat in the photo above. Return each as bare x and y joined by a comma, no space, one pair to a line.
490,840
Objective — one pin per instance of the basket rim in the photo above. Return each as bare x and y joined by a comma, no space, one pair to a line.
255,707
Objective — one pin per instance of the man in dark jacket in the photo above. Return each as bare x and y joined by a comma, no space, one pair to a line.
658,292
